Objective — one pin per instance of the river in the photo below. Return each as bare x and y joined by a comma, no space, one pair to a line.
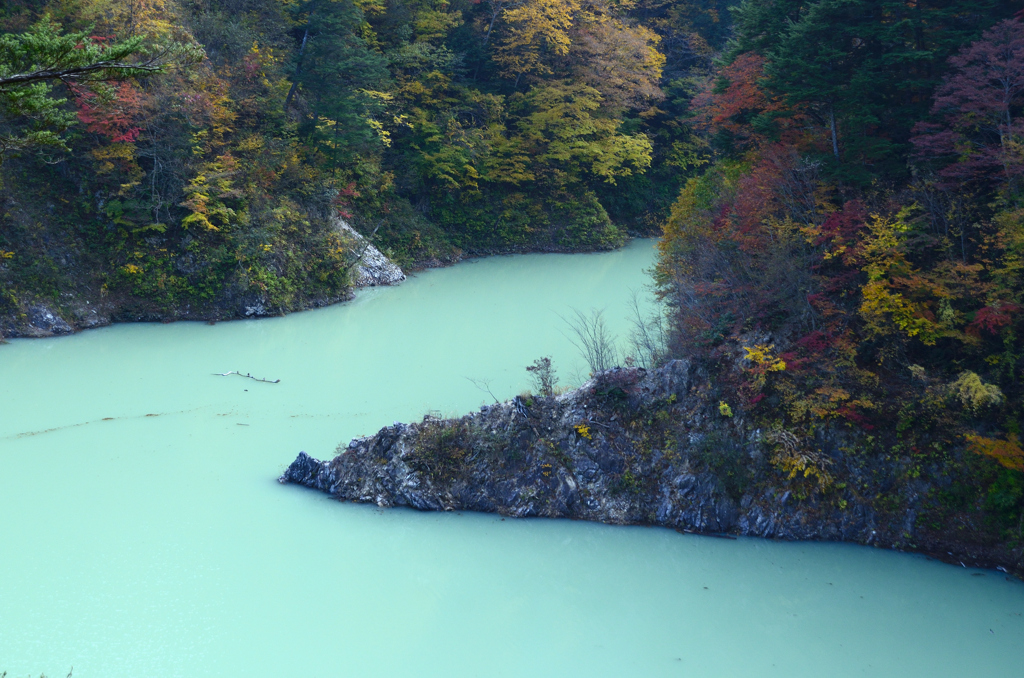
143,533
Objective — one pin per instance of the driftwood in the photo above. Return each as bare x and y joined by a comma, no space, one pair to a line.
248,376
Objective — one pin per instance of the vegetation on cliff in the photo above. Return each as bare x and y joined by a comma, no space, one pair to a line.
849,263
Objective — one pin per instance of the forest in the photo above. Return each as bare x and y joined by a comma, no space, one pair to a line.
445,128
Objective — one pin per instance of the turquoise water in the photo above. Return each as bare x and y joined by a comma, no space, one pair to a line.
143,533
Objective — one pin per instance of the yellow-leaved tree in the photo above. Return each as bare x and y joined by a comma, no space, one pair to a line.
590,42
896,298
562,133
154,19
534,31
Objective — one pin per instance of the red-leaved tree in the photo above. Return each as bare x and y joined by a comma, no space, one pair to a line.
728,103
981,136
111,112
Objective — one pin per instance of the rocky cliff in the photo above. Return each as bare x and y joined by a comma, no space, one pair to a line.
633,447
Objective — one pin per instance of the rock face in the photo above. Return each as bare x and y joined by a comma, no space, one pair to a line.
629,447
41,320
373,268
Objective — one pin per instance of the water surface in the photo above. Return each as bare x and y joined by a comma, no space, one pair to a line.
142,532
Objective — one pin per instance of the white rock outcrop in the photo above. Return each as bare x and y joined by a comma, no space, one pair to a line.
373,268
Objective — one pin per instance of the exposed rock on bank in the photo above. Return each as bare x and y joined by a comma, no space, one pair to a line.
47,319
372,267
44,320
632,447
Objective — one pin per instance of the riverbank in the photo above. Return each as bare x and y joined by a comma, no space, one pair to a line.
89,305
631,447
37,318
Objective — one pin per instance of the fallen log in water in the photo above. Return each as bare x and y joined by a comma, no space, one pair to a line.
247,376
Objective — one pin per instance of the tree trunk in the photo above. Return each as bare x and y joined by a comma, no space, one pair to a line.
298,70
495,13
832,127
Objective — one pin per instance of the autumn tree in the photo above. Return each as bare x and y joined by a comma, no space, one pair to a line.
735,107
981,108
536,31
590,41
618,58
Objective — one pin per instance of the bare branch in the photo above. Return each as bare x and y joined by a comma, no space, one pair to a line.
592,339
79,72
485,386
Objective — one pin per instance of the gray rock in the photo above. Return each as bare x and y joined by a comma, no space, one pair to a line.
47,323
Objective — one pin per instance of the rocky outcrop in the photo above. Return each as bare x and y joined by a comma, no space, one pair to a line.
629,447
372,268
45,320
46,323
